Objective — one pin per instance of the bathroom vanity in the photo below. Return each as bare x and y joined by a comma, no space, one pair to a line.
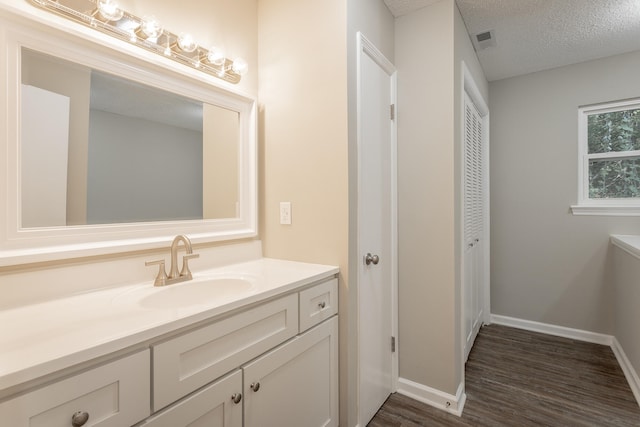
85,337
251,344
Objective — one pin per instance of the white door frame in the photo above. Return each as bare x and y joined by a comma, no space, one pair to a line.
365,47
470,87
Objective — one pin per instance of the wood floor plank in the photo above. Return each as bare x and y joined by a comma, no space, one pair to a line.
521,378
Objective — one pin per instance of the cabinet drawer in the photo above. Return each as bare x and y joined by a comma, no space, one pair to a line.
318,304
188,362
218,404
113,395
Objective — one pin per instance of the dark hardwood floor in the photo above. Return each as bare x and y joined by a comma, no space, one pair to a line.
520,378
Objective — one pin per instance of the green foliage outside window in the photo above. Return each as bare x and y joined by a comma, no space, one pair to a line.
617,131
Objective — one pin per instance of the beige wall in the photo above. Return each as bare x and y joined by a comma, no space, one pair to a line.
426,202
626,274
426,196
303,129
303,137
220,138
546,264
430,44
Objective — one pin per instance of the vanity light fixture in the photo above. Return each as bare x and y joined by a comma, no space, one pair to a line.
150,28
186,43
216,56
109,10
107,17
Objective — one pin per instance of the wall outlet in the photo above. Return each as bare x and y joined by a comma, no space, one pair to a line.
285,213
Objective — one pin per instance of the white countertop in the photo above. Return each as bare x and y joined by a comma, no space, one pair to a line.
629,243
40,339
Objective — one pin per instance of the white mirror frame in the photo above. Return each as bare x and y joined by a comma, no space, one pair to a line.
21,245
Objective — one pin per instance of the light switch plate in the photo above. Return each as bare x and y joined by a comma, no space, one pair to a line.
285,213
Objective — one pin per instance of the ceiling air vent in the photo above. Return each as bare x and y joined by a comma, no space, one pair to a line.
484,40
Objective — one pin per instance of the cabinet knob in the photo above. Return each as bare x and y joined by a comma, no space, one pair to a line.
236,397
322,305
255,386
79,418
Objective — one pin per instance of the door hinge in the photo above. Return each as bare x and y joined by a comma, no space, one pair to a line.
393,344
392,111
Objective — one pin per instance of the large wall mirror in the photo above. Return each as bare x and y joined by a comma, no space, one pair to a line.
109,153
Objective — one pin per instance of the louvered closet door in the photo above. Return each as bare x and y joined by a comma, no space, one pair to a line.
474,209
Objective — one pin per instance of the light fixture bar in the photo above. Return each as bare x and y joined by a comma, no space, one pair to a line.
127,28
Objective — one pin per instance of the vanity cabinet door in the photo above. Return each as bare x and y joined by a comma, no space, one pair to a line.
217,405
295,385
111,395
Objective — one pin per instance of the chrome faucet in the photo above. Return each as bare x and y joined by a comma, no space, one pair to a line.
174,276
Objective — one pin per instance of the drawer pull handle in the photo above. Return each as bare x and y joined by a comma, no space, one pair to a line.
255,386
236,397
79,418
322,305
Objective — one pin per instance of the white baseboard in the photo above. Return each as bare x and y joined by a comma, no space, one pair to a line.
546,328
431,396
579,335
627,368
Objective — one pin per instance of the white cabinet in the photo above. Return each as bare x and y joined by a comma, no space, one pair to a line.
189,361
296,384
111,395
274,363
217,405
293,381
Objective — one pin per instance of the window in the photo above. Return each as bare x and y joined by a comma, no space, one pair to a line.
609,169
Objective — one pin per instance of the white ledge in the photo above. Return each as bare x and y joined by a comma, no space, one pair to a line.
606,210
629,244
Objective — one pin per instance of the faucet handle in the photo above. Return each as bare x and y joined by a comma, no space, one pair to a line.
185,272
161,278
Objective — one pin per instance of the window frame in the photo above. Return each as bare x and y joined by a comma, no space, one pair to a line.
608,206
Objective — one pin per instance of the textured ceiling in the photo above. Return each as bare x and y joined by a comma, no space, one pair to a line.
534,35
402,7
127,98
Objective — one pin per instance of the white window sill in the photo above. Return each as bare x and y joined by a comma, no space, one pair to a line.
630,244
606,210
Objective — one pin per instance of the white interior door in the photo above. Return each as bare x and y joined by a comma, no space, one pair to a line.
377,278
44,150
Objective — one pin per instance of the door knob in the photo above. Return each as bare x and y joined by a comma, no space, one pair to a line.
371,259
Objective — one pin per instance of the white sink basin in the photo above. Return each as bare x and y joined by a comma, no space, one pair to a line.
194,292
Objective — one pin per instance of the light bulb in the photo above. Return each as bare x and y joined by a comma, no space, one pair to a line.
109,10
150,27
240,66
216,56
186,43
